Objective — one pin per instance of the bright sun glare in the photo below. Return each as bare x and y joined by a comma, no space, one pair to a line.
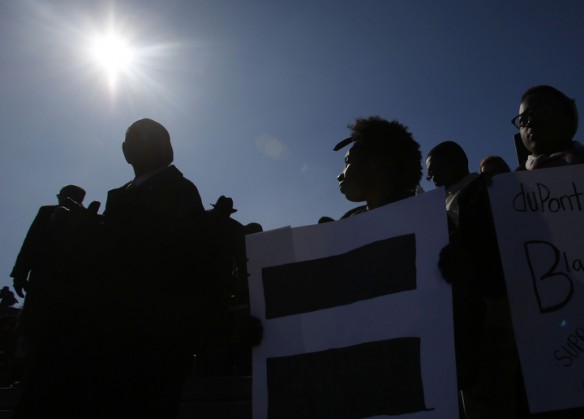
114,54
123,58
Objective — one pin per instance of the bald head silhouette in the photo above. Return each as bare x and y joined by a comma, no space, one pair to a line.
147,146
446,164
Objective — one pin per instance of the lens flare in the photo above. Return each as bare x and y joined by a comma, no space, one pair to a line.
114,54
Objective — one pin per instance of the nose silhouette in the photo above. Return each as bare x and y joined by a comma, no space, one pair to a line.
341,176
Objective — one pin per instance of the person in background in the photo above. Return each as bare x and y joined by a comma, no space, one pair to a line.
43,272
32,258
227,351
493,165
7,298
253,228
447,165
37,271
325,219
382,166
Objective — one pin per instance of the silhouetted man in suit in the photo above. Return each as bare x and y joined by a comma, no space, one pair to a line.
37,266
160,300
32,257
447,165
42,270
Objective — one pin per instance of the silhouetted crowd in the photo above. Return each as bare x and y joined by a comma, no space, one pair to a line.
120,307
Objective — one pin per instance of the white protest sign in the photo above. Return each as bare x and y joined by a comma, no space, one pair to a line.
357,320
539,218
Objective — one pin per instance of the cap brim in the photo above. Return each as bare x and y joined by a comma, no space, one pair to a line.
343,143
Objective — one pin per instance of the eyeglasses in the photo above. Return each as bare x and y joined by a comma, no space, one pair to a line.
521,120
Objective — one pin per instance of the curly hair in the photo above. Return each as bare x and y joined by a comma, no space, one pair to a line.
393,141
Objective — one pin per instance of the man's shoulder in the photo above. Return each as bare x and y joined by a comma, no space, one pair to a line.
46,208
46,211
475,192
463,183
181,178
578,153
120,188
167,187
169,176
172,179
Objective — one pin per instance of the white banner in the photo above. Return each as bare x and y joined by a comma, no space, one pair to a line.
357,320
539,218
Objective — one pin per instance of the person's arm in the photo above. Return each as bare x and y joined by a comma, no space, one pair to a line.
27,254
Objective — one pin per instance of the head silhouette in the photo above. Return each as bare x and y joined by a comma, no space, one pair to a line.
446,164
383,165
223,207
548,120
74,192
147,146
493,165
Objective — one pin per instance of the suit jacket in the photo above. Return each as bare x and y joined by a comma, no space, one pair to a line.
150,225
32,255
41,261
156,240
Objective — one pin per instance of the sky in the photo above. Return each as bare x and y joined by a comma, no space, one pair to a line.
256,93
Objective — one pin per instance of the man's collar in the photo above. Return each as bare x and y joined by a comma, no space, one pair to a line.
143,178
462,183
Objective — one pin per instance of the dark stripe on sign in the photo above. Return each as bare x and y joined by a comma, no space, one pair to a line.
370,379
380,268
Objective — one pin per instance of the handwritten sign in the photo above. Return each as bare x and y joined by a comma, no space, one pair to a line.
357,321
539,218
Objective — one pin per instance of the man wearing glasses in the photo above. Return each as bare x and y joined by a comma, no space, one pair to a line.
547,123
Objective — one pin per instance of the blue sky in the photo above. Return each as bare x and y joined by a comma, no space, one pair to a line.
256,93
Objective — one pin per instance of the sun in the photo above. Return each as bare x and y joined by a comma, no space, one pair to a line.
122,58
113,53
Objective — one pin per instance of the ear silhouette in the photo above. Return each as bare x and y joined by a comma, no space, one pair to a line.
128,153
168,154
